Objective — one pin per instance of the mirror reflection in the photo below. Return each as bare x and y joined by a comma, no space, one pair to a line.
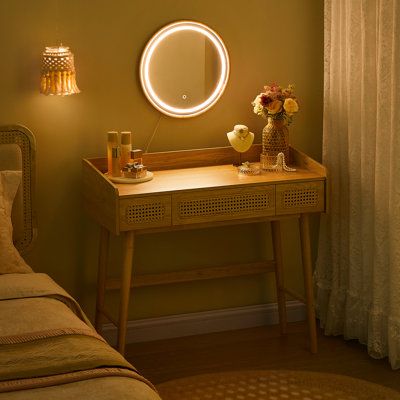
184,69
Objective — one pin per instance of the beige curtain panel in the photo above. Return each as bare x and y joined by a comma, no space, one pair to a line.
358,267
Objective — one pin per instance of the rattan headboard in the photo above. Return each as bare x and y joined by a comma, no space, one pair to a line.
18,152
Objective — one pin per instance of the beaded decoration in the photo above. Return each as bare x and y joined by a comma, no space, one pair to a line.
280,165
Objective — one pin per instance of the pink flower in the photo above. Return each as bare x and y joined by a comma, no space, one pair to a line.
265,99
276,88
274,107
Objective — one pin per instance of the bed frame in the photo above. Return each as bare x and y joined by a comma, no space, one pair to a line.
18,152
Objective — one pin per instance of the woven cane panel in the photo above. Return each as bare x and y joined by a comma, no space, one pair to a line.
308,197
300,197
146,213
219,205
23,138
224,205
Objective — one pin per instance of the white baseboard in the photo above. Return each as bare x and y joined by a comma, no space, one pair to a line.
180,325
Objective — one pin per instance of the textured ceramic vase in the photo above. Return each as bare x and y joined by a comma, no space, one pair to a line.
275,140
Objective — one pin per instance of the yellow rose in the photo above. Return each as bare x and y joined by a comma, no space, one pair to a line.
274,107
290,106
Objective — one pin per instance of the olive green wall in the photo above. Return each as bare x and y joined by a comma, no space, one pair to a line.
268,41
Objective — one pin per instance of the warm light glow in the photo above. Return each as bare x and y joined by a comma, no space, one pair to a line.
58,72
145,66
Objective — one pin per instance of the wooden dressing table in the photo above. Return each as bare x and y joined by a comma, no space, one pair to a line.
201,188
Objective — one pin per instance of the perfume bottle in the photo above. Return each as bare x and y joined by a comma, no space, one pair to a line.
112,141
126,147
115,161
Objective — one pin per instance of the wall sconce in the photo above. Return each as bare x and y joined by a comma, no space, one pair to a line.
58,72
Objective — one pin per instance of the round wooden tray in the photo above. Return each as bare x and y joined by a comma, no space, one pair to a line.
120,179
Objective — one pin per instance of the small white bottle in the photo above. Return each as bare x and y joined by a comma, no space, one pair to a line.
126,147
115,161
112,141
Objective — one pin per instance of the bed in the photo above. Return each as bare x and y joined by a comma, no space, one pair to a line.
48,347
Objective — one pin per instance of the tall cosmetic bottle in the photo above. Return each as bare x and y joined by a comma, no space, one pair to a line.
126,147
115,161
112,141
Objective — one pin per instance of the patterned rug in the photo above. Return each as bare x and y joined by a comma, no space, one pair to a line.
273,385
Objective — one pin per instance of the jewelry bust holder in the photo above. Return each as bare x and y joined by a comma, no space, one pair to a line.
240,138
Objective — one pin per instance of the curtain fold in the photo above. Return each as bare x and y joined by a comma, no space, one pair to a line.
357,273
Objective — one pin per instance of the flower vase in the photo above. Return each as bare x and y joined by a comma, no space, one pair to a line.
275,140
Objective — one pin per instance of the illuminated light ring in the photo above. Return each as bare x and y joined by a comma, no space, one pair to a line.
145,66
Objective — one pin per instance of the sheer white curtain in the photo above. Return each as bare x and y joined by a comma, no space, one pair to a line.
358,267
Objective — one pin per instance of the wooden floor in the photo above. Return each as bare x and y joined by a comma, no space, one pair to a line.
257,348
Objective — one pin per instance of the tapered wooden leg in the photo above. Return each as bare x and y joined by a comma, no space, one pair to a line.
101,276
279,274
128,244
308,281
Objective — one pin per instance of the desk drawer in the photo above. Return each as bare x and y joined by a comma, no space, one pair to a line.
296,198
145,212
221,205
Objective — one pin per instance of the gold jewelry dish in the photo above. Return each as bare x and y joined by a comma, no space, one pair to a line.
249,168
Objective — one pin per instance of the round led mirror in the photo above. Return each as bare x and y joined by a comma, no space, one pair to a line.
184,69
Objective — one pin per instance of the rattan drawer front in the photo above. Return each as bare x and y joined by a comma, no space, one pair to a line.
221,205
145,212
300,197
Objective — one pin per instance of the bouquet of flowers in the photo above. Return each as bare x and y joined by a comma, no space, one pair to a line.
276,103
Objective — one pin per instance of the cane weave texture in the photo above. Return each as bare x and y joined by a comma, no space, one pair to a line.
149,212
23,138
226,205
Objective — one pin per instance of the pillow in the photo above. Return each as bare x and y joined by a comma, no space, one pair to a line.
10,260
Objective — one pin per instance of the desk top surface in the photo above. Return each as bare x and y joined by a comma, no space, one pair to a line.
212,177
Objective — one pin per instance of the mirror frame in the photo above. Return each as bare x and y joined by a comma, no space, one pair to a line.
146,59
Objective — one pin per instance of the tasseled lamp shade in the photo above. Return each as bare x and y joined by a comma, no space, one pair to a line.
58,72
